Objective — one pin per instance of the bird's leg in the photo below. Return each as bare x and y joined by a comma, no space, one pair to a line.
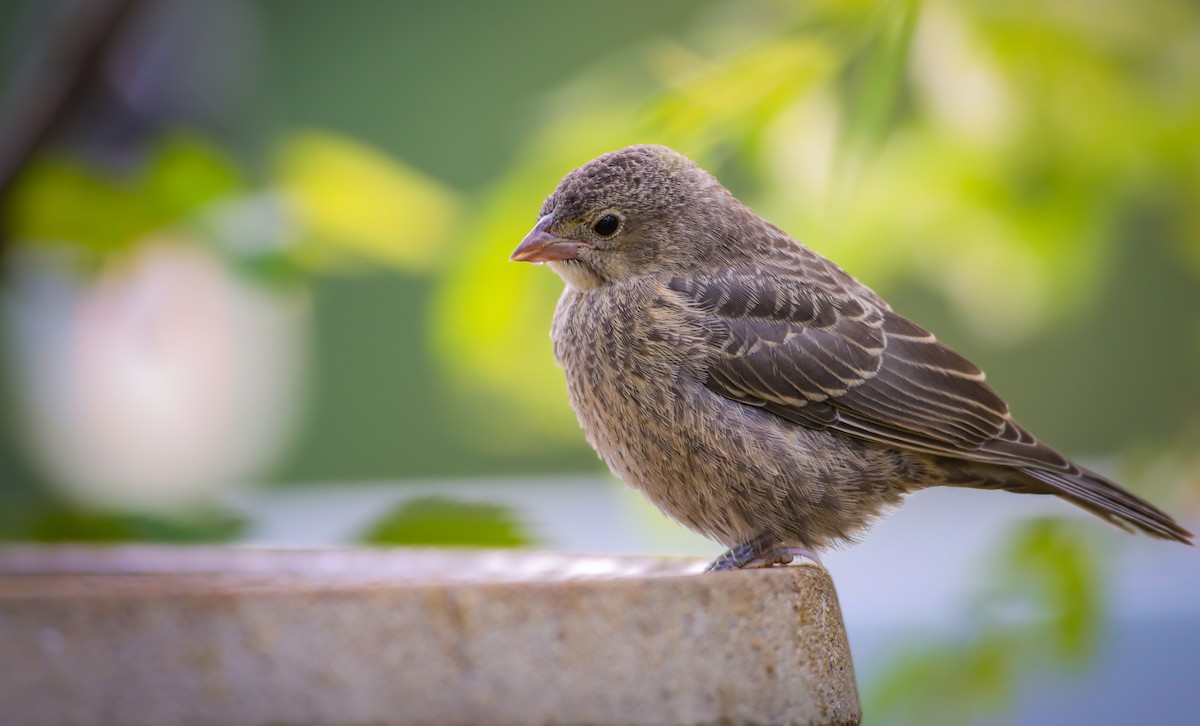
762,551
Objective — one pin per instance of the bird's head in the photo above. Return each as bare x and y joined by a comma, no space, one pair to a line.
624,214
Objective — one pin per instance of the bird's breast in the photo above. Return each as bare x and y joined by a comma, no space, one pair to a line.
630,361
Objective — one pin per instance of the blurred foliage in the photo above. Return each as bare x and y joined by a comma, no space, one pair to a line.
442,522
1171,467
996,159
64,199
357,204
989,153
1040,611
61,523
329,204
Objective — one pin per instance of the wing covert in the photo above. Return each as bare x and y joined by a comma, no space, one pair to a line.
819,356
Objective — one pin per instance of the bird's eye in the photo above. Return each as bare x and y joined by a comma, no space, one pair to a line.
606,225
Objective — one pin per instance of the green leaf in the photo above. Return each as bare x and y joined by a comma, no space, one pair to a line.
186,173
358,205
1050,567
738,96
442,522
878,82
64,524
63,199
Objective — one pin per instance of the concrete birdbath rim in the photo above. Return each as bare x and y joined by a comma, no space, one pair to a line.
149,634
31,570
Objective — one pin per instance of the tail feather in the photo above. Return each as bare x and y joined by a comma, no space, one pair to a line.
1110,502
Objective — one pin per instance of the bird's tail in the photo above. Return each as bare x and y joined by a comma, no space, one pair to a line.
1107,500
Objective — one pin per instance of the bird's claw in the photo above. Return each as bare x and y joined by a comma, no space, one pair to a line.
759,553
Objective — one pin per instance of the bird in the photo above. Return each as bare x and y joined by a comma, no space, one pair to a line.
752,389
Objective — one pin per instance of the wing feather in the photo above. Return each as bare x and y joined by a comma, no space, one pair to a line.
806,342
786,343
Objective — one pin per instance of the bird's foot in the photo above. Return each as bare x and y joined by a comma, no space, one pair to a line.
760,552
783,556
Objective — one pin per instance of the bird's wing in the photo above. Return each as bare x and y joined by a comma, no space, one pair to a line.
811,349
806,344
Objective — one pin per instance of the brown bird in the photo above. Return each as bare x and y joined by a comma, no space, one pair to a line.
753,390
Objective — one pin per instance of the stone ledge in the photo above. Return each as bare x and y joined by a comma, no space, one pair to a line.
154,635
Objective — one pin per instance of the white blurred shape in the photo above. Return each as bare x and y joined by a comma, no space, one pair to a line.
954,74
158,383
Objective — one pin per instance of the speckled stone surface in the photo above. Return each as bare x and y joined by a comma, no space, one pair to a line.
140,635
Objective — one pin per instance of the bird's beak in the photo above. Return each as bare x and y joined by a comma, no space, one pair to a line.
541,246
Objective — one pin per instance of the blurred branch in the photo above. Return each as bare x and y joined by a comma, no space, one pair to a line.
52,81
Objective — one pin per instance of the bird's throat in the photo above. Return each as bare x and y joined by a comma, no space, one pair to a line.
577,274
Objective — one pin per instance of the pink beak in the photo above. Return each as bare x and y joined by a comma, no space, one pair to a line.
542,246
